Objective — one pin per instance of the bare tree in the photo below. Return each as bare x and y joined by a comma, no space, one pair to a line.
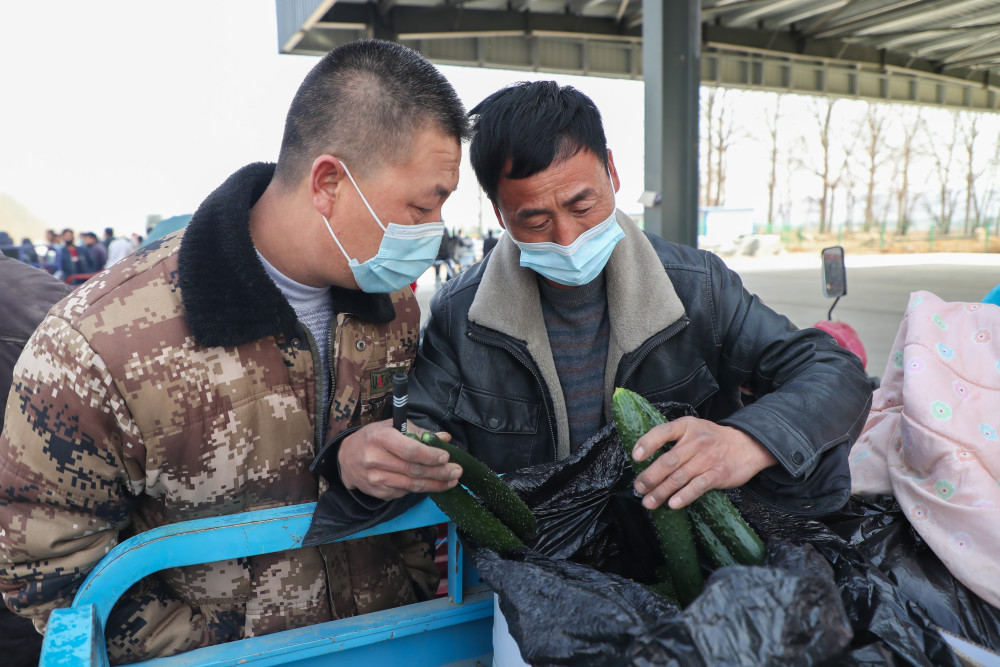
710,100
990,177
969,130
773,121
721,131
875,126
941,149
905,155
828,166
848,178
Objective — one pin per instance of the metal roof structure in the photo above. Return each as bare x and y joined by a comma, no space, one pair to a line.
938,52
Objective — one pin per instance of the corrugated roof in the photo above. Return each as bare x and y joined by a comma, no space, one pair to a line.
861,42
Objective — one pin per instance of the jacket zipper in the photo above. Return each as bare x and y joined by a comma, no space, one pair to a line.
483,338
320,411
648,346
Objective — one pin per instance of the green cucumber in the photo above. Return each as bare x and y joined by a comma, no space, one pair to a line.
475,520
494,493
712,545
717,513
634,416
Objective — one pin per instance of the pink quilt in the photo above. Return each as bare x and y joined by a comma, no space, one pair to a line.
931,437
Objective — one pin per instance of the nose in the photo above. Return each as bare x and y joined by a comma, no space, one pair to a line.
567,230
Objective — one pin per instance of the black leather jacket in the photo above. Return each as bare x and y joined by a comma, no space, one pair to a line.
683,329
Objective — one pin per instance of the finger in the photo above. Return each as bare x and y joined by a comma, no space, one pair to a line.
693,490
442,473
658,471
655,438
666,464
386,462
680,489
413,451
655,494
399,485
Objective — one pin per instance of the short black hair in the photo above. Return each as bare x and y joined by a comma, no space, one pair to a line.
364,102
531,125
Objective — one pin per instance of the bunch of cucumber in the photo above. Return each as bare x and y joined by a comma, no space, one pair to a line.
502,522
711,519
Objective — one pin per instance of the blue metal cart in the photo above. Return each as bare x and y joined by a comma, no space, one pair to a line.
456,630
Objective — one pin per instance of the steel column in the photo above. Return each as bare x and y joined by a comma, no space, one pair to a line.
671,65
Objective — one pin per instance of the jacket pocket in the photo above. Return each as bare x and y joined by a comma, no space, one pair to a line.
497,414
695,389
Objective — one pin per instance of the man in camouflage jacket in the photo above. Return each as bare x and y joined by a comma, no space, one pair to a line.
181,383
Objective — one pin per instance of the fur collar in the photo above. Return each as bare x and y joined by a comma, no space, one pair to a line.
507,301
228,297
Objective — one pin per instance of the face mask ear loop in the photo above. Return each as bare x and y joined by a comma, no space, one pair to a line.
334,237
355,184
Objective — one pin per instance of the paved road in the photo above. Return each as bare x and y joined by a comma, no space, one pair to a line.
878,290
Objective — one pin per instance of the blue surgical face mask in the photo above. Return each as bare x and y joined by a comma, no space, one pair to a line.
577,263
406,251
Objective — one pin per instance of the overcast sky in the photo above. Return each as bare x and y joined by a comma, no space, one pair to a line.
112,110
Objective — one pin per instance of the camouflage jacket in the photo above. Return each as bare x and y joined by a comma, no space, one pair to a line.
178,384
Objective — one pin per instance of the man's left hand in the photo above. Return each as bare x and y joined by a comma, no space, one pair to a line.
705,456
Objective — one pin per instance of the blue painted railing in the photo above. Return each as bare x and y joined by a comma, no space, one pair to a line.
453,630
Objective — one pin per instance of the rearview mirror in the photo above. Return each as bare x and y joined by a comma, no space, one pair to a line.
834,274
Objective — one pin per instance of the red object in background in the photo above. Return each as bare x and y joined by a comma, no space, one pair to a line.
846,337
413,286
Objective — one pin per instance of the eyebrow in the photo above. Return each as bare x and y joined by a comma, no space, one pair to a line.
439,191
580,196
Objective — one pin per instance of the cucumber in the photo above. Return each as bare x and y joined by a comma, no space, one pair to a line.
665,590
634,416
717,513
711,545
475,520
723,534
498,498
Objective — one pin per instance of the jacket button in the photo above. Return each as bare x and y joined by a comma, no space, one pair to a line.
797,458
493,423
361,346
295,342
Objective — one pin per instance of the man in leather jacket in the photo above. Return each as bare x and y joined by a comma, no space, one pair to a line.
522,352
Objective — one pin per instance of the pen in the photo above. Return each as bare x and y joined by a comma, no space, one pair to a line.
399,380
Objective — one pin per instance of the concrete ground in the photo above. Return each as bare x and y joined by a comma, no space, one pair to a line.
878,289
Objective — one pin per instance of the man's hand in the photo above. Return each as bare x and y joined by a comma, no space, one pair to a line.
382,462
705,456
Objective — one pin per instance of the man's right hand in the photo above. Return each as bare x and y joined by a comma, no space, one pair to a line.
382,462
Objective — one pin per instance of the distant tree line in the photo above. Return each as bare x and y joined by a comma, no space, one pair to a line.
851,165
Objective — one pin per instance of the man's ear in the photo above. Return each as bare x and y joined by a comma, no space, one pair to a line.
615,181
496,211
325,179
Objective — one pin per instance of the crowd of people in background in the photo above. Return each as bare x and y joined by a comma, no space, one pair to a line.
68,258
457,252
73,257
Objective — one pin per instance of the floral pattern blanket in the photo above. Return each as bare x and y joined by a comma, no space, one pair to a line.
931,437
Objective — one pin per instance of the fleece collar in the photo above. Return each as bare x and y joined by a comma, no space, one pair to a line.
641,303
228,297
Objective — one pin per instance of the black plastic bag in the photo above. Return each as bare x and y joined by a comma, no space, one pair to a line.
564,613
575,595
879,529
